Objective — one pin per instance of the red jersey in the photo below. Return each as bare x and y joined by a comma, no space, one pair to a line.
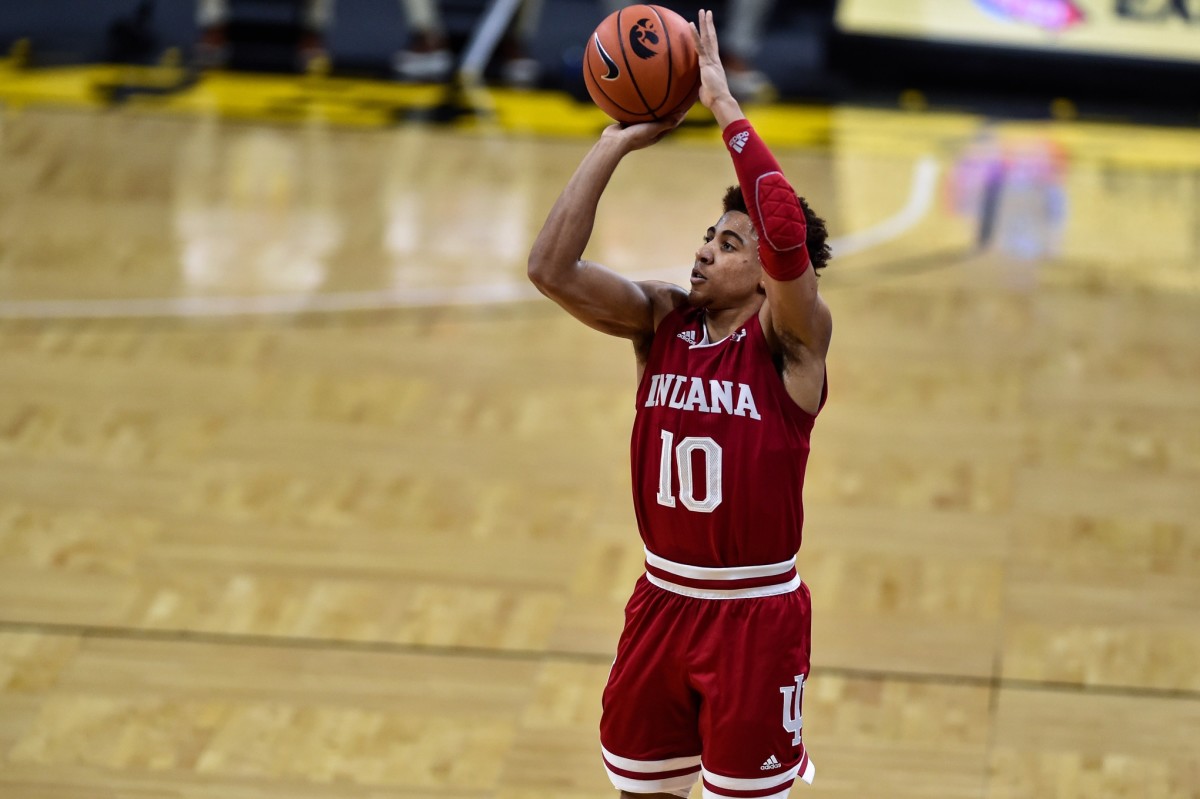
718,449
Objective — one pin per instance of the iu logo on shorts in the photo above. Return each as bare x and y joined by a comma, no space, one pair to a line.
793,699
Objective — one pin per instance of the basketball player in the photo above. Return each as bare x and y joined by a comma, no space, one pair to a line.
709,675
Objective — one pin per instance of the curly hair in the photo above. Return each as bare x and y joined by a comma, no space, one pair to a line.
816,238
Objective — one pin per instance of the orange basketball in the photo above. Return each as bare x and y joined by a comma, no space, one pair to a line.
640,64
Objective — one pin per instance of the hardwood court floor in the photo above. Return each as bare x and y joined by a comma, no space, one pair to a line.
305,493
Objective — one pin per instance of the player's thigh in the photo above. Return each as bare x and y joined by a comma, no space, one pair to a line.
752,714
648,705
649,721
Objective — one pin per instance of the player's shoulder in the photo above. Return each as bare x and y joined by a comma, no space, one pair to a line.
670,293
816,342
824,326
664,297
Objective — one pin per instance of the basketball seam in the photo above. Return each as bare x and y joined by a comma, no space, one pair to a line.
632,77
662,26
589,76
695,83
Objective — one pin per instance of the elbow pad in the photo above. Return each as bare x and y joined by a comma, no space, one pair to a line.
771,201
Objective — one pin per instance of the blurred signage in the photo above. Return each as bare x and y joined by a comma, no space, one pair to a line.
1156,29
1050,15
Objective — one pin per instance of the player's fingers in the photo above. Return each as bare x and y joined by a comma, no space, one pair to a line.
673,121
709,32
702,43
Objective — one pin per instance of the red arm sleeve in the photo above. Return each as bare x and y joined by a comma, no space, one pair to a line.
771,200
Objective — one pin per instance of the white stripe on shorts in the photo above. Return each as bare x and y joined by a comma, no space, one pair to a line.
725,593
679,785
654,781
650,766
707,794
759,784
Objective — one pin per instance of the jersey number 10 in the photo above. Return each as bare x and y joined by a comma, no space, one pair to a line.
680,456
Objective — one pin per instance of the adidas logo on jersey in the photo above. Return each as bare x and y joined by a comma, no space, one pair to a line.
689,336
738,142
772,762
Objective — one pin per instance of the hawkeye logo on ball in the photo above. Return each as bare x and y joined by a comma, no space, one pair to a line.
614,71
643,38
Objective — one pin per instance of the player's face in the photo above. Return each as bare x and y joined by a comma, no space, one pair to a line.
727,271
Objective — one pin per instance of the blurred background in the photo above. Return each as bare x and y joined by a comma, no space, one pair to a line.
1106,57
306,492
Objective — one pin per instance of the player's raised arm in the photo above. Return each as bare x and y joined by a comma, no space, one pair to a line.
795,313
597,296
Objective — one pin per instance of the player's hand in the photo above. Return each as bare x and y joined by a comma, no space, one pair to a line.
642,134
714,86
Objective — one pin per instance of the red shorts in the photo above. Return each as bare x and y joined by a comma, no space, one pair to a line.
708,688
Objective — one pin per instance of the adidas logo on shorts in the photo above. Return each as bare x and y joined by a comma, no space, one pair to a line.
771,763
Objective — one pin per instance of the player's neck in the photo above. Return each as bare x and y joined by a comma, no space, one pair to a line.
720,323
